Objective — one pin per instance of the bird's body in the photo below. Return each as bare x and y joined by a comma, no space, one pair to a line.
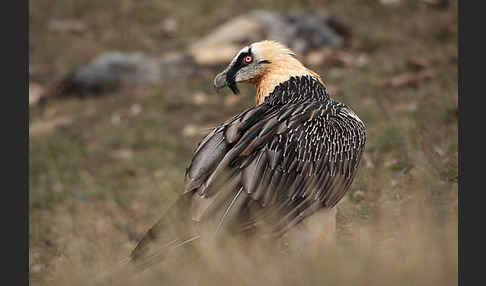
269,167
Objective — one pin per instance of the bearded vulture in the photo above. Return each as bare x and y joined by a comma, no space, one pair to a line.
262,172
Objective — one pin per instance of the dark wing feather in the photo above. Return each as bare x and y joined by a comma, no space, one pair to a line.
289,160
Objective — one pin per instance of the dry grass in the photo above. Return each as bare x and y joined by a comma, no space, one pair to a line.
101,173
415,248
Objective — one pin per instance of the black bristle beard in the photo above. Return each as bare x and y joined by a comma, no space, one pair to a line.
234,88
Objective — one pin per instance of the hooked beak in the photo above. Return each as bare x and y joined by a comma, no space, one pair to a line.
221,80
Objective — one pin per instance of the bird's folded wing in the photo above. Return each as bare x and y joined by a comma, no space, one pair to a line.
272,166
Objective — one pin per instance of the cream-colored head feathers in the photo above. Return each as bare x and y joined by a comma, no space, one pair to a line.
283,65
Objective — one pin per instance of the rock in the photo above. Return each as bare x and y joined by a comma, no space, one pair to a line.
176,65
111,69
168,27
135,109
359,196
240,29
301,31
214,54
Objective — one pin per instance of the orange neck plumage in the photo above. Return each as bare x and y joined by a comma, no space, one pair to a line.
266,83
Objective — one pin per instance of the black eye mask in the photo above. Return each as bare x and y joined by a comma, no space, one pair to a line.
239,63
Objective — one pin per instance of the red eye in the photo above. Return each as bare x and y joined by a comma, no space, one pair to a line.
248,59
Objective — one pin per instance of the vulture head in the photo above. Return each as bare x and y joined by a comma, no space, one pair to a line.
265,64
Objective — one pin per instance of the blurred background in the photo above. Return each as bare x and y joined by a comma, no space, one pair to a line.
120,93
